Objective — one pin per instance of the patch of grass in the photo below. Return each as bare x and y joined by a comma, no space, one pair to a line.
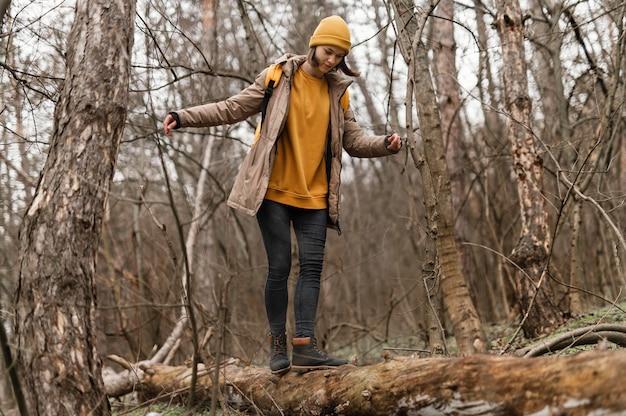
607,315
500,335
161,409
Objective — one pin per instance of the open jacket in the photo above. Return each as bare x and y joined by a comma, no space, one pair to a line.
252,180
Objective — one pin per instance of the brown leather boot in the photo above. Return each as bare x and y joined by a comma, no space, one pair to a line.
307,356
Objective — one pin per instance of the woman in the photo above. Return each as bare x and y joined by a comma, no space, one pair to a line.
291,176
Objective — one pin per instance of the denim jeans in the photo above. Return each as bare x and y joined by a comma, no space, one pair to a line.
309,226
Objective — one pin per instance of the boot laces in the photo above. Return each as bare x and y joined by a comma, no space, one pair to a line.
280,345
316,348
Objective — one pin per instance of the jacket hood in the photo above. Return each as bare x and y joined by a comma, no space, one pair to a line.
291,62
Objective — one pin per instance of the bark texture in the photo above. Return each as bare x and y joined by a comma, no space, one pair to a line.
55,303
583,384
531,253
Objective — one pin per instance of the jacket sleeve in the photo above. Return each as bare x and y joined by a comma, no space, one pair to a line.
357,144
232,110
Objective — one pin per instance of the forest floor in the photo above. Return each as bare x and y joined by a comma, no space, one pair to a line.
500,337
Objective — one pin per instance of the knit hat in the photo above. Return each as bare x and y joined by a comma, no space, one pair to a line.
332,31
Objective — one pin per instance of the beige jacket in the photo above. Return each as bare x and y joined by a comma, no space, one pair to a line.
252,180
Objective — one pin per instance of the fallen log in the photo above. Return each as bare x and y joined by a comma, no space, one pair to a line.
581,384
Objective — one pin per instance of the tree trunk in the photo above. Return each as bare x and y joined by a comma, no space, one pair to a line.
576,279
59,366
430,270
581,384
531,253
445,77
548,44
467,328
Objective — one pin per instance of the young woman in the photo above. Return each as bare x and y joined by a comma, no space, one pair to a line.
291,176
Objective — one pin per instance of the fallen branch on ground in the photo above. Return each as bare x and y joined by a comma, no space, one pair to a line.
590,335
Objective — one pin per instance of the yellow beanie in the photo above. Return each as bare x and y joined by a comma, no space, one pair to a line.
332,31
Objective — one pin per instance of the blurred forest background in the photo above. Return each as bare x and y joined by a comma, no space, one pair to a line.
167,200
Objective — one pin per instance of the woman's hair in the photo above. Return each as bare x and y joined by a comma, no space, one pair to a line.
343,66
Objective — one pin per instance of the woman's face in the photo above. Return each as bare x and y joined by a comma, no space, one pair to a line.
328,57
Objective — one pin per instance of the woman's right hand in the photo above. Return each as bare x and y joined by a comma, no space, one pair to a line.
169,124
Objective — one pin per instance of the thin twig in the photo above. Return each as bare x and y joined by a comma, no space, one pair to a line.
406,349
187,282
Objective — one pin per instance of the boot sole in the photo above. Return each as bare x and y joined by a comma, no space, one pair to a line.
281,372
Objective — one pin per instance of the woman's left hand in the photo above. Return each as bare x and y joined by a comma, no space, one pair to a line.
394,143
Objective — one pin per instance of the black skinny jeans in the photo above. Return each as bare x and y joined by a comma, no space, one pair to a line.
310,230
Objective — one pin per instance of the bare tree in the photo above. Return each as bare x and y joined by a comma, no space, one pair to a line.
445,78
467,327
531,254
58,359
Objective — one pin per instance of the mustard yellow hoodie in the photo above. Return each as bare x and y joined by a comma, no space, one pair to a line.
299,173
